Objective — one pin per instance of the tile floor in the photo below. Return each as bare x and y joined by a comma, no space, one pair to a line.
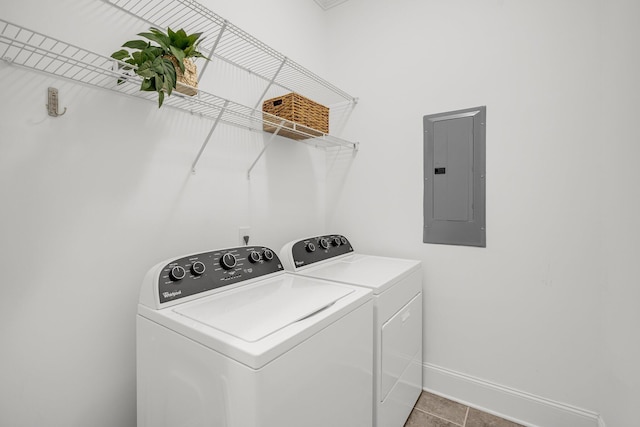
435,411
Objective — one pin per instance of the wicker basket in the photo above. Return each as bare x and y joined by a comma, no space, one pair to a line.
187,82
308,116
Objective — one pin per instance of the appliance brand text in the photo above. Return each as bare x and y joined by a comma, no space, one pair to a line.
171,294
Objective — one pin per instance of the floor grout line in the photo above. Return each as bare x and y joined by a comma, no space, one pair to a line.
466,416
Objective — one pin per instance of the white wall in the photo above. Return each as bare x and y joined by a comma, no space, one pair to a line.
621,210
524,314
94,198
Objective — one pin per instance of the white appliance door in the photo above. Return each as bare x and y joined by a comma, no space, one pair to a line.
401,345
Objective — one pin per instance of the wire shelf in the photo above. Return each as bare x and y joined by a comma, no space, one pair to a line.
36,51
226,42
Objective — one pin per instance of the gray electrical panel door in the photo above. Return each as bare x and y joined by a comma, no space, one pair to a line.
454,177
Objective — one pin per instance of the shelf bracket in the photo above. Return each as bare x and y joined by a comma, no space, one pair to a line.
206,141
213,49
266,145
273,79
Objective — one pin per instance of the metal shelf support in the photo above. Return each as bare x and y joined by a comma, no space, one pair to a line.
213,49
266,145
206,140
273,79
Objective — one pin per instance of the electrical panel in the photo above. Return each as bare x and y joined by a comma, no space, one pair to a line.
454,177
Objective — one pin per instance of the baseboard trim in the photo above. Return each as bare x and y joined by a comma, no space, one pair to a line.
515,405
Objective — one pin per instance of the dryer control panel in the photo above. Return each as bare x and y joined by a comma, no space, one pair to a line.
205,271
319,248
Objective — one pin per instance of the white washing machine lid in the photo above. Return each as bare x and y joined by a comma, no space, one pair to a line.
258,322
252,313
375,272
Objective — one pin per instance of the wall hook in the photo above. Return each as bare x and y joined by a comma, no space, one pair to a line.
52,106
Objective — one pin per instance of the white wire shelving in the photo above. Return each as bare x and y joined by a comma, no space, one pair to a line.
27,48
226,42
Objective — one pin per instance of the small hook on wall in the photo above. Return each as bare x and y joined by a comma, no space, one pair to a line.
52,106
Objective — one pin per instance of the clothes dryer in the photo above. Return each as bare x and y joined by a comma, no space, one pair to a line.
227,338
397,320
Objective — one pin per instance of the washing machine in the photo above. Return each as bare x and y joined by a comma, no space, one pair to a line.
397,319
227,338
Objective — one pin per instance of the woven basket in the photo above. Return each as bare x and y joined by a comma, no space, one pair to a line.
308,116
187,82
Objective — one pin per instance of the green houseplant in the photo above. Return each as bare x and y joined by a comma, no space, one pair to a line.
162,60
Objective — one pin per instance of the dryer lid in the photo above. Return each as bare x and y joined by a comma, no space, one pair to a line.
374,272
251,313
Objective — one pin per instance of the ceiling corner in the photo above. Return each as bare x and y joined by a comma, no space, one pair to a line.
328,4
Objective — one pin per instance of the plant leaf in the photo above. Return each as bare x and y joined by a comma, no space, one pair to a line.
120,55
164,67
160,98
170,72
147,85
180,55
158,83
172,35
138,58
193,39
157,37
136,44
157,66
178,39
167,87
145,70
152,52
199,55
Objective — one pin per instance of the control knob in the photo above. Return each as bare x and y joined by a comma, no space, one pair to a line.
254,257
324,243
267,254
310,247
228,261
343,240
177,273
335,241
197,268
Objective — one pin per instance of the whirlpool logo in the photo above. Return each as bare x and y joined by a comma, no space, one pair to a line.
171,294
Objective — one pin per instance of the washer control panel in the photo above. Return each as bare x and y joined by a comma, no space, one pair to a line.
203,272
319,248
